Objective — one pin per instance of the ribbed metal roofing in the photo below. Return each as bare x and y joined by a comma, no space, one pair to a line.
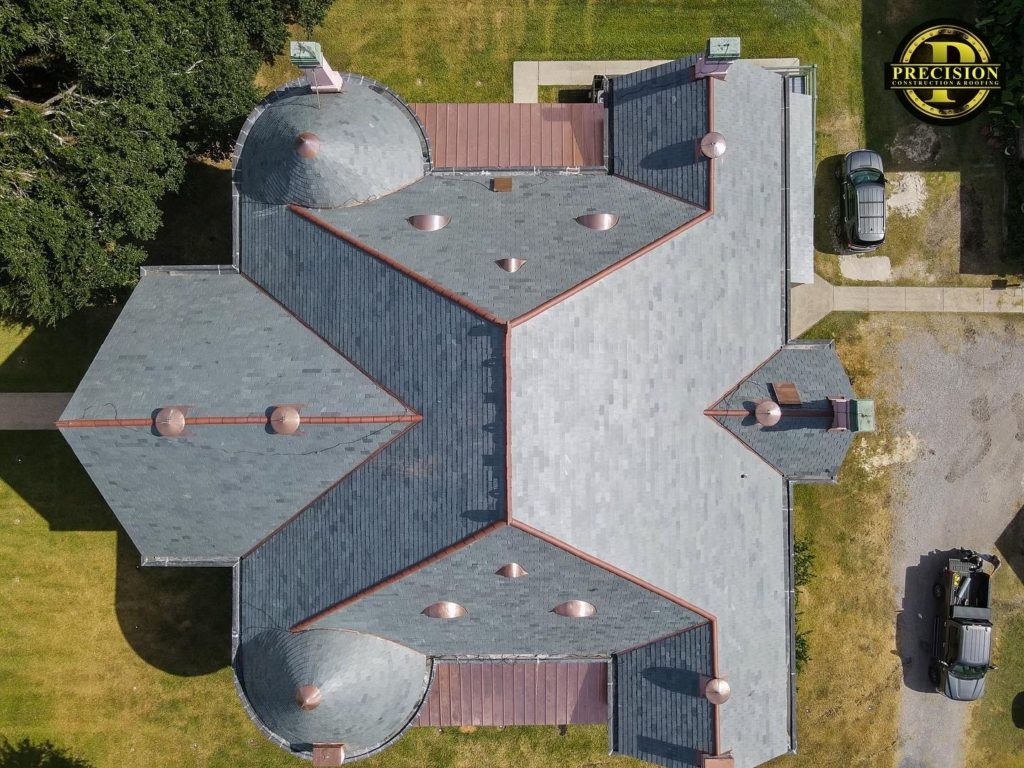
369,688
331,149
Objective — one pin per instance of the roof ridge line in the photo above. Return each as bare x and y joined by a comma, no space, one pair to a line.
666,636
327,490
239,420
307,623
426,282
337,351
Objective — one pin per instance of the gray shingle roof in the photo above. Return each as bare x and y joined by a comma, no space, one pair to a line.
369,146
612,452
441,482
661,714
800,447
656,119
514,616
535,222
370,688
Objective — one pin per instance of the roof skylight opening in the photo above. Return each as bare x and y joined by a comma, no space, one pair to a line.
600,221
169,422
511,571
444,610
510,264
576,609
429,222
308,697
285,420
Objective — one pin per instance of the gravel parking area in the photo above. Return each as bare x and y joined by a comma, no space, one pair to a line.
960,481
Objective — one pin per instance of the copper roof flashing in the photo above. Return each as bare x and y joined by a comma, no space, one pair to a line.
170,421
576,609
511,264
444,610
599,221
285,420
712,145
307,145
429,222
512,571
768,413
308,697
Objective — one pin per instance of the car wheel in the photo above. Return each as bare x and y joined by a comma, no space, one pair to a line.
933,673
938,591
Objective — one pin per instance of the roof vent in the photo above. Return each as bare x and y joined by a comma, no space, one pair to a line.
577,609
510,264
768,413
511,571
598,220
308,697
429,222
501,184
328,755
444,610
169,422
712,145
717,690
285,420
307,144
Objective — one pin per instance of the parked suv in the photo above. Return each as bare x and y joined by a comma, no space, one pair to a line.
863,200
962,641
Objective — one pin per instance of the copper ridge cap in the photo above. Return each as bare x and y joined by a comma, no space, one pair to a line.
202,421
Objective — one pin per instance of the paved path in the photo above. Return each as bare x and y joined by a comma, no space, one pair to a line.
31,410
962,427
528,76
810,303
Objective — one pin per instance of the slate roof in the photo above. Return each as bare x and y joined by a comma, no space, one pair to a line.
656,119
661,714
369,146
800,445
511,617
371,688
611,450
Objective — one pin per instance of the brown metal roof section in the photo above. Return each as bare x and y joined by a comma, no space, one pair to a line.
514,135
517,693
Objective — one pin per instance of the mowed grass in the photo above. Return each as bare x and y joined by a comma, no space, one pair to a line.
848,693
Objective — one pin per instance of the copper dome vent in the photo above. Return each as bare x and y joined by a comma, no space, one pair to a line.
444,610
169,422
308,697
577,609
712,145
511,571
598,220
307,144
717,690
768,413
511,264
285,420
429,222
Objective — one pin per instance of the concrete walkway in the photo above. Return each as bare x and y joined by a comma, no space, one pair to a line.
528,76
810,303
31,410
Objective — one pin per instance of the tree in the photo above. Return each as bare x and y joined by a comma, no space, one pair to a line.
101,104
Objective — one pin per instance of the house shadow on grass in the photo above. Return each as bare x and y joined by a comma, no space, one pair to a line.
915,623
826,206
1011,545
44,754
177,619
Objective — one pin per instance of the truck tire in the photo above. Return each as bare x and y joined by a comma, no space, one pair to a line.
938,591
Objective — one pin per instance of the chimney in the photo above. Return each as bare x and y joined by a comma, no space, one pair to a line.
309,57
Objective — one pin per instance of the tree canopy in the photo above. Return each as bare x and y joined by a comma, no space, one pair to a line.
101,104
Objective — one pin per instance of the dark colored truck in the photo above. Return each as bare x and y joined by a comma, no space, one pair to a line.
962,642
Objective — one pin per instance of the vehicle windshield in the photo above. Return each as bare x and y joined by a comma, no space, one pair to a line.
965,672
865,176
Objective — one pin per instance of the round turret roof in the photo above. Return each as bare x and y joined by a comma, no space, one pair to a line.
329,150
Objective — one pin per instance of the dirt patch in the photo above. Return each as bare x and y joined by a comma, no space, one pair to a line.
907,194
867,268
916,144
901,449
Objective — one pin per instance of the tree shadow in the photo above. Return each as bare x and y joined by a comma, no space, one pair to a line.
177,619
1017,710
44,754
196,219
915,623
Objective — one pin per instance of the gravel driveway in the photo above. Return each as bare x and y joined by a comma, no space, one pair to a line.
962,388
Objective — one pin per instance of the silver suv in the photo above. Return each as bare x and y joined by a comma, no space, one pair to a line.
863,200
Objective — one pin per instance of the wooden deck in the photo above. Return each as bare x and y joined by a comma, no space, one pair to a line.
514,135
516,693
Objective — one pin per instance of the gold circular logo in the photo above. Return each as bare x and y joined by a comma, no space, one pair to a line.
943,72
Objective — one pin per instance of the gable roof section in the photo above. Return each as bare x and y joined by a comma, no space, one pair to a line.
661,714
213,342
444,481
536,221
657,118
800,445
509,617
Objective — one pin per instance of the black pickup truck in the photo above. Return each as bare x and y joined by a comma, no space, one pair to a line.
962,643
